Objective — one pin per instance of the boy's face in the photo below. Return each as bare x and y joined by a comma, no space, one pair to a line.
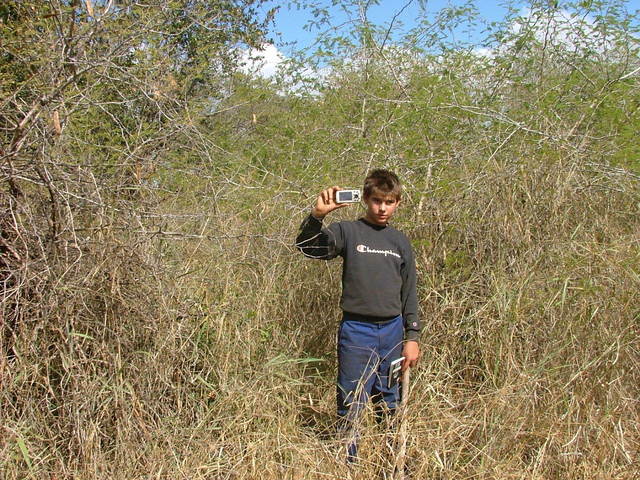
380,207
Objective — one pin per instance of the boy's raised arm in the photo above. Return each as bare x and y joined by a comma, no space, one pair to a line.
313,240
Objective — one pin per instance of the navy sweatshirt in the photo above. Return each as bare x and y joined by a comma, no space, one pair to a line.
379,271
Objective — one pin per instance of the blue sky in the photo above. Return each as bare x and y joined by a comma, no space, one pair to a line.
290,21
289,33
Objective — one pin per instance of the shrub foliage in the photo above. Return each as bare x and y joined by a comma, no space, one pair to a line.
156,320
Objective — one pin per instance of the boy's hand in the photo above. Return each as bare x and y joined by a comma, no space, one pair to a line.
411,354
326,202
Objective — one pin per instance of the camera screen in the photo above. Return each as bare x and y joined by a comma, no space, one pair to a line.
346,196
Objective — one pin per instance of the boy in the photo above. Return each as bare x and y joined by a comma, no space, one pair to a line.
380,309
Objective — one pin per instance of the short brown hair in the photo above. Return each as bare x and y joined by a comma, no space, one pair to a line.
382,181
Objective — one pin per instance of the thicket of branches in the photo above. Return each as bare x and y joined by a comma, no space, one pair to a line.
156,320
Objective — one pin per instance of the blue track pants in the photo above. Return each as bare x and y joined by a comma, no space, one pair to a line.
365,350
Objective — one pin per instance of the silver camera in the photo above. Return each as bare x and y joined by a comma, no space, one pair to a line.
348,196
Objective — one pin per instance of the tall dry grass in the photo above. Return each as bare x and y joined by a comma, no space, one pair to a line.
202,345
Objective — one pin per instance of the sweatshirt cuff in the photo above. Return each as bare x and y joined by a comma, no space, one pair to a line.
412,329
313,221
412,336
319,220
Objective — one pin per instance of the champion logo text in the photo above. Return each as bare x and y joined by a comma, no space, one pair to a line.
364,249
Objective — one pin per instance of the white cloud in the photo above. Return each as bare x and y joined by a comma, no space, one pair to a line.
484,52
558,29
567,31
269,63
264,62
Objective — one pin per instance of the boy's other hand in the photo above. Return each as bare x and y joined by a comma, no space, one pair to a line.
326,202
411,354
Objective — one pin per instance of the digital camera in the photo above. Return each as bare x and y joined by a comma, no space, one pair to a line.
348,196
